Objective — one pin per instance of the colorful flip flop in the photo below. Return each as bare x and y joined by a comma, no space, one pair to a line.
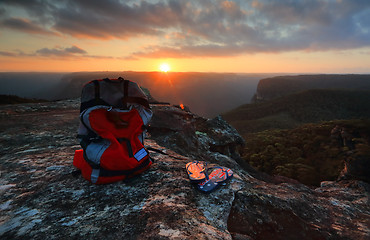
218,176
196,170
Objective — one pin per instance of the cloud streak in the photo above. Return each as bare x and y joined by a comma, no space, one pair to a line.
207,28
25,25
56,52
61,52
7,54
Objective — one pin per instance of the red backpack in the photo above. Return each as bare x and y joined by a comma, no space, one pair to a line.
112,119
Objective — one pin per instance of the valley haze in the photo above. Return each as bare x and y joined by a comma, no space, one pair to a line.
206,94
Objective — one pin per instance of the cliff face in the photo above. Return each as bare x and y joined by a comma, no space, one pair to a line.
40,198
270,88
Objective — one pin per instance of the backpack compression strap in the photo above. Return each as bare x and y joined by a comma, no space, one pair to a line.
101,172
96,101
127,99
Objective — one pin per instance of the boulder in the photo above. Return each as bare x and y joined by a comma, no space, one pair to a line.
189,134
339,210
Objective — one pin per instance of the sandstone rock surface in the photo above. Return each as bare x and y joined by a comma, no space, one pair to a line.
41,198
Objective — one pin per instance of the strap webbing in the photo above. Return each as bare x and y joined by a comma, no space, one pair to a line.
125,89
128,144
92,103
91,163
96,101
113,173
97,89
138,100
125,93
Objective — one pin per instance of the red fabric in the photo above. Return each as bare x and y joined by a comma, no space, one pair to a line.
116,156
80,163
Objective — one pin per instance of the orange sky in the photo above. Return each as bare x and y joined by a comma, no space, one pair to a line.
331,36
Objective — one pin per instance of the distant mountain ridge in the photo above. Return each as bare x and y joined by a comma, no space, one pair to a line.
304,107
30,84
270,88
207,94
11,99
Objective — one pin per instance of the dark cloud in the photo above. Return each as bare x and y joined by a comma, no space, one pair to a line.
320,25
2,12
204,28
7,54
61,52
57,52
112,19
75,49
271,26
36,8
24,3
25,25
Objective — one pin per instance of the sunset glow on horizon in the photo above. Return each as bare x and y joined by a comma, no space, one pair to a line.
328,36
164,67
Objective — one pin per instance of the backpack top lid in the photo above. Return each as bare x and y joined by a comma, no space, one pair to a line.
118,93
112,92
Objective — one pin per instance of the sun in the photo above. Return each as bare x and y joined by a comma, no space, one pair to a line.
164,67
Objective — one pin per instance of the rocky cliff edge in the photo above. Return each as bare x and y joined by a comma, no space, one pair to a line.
41,198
